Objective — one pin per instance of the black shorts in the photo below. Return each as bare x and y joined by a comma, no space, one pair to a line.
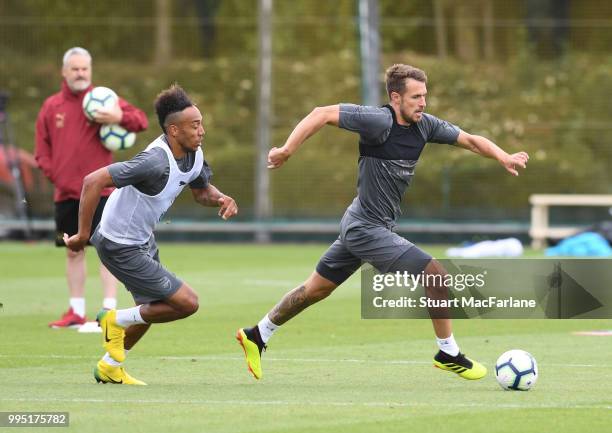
138,268
361,242
67,219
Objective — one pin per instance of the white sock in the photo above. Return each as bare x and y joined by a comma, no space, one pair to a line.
448,345
78,306
129,317
110,361
109,303
266,328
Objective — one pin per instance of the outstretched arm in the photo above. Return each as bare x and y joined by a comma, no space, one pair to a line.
485,147
309,125
93,184
212,197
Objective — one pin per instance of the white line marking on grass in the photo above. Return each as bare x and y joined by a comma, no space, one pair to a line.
50,356
312,403
306,360
321,360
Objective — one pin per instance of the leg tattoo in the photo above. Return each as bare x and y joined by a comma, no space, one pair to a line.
291,305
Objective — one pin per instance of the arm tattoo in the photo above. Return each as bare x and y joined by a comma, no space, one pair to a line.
290,306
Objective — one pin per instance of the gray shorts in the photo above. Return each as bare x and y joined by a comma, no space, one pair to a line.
361,242
138,268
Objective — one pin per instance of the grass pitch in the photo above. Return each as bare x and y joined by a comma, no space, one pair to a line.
325,371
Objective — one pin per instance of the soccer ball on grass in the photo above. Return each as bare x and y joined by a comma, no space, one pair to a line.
516,370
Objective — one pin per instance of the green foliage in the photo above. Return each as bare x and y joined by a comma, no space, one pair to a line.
311,28
558,111
538,109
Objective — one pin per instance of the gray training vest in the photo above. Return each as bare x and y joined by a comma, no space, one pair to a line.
130,216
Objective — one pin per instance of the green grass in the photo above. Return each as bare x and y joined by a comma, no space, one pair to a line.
325,371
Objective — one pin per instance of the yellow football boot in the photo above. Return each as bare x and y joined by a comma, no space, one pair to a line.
461,365
252,345
112,334
105,373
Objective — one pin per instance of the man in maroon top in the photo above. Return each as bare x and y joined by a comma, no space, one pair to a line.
68,147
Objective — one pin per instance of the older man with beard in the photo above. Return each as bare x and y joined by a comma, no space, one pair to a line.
68,147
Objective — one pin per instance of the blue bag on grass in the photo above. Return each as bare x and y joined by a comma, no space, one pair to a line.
588,244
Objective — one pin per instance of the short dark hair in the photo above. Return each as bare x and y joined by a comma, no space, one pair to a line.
396,77
171,100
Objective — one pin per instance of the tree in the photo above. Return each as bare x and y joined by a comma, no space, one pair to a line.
163,32
466,32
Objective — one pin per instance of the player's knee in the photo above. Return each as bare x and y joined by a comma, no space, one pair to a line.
192,305
435,276
318,288
186,301
434,267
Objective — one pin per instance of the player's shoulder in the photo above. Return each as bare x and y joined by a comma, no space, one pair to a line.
438,130
430,118
150,162
350,108
358,117
429,122
151,155
155,153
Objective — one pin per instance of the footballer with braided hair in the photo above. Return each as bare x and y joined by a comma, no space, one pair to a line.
146,187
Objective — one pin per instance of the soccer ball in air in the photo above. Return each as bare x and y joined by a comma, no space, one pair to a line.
96,98
516,370
115,137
